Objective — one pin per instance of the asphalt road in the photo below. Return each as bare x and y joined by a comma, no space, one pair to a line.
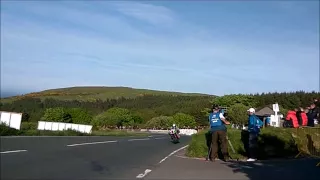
83,157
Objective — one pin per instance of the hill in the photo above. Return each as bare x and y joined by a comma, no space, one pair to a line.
91,93
145,103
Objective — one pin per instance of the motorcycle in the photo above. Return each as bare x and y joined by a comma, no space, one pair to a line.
174,136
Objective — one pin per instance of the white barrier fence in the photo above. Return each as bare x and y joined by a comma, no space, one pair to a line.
188,132
11,119
57,126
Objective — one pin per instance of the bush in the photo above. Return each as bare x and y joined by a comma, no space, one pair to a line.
114,117
238,114
183,120
159,122
273,142
58,114
29,125
80,116
7,131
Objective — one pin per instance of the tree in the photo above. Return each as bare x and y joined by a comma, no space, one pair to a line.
58,114
25,117
229,100
137,120
79,115
184,120
114,117
238,114
159,122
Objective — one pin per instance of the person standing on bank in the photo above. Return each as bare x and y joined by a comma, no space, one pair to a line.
254,124
312,114
219,132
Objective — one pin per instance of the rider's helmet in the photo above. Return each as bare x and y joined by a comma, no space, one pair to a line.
174,125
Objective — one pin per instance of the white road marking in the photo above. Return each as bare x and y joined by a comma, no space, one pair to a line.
144,174
139,139
81,144
15,151
173,153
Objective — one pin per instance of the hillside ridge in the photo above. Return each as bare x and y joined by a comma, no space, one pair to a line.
98,92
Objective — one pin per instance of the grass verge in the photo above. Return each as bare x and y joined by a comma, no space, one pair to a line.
273,143
7,131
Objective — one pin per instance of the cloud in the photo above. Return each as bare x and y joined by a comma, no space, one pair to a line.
156,15
60,45
297,7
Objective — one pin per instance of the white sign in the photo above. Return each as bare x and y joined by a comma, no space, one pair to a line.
274,121
275,107
11,119
15,120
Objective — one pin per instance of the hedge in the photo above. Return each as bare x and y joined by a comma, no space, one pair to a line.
273,143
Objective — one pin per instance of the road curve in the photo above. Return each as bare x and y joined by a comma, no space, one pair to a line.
83,157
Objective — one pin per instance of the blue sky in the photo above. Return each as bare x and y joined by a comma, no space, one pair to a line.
189,46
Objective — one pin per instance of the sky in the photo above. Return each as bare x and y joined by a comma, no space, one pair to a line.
211,47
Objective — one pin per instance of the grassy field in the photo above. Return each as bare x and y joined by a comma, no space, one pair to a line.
273,143
93,93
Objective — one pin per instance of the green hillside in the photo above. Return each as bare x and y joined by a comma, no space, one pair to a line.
91,93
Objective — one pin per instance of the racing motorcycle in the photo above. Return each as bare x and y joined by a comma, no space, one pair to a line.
174,136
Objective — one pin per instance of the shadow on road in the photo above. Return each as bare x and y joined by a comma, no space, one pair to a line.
95,166
276,169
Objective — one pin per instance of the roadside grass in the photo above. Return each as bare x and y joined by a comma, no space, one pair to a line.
273,143
30,130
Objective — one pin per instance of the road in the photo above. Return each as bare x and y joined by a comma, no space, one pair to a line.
83,157
180,167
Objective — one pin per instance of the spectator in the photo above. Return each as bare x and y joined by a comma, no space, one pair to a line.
219,133
306,110
254,124
316,102
292,118
304,117
312,115
268,120
298,114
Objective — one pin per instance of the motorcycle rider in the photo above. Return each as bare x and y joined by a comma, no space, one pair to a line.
175,129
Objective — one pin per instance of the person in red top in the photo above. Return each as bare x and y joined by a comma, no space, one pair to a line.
292,116
304,117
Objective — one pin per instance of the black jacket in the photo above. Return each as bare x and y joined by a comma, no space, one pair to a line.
298,114
312,115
